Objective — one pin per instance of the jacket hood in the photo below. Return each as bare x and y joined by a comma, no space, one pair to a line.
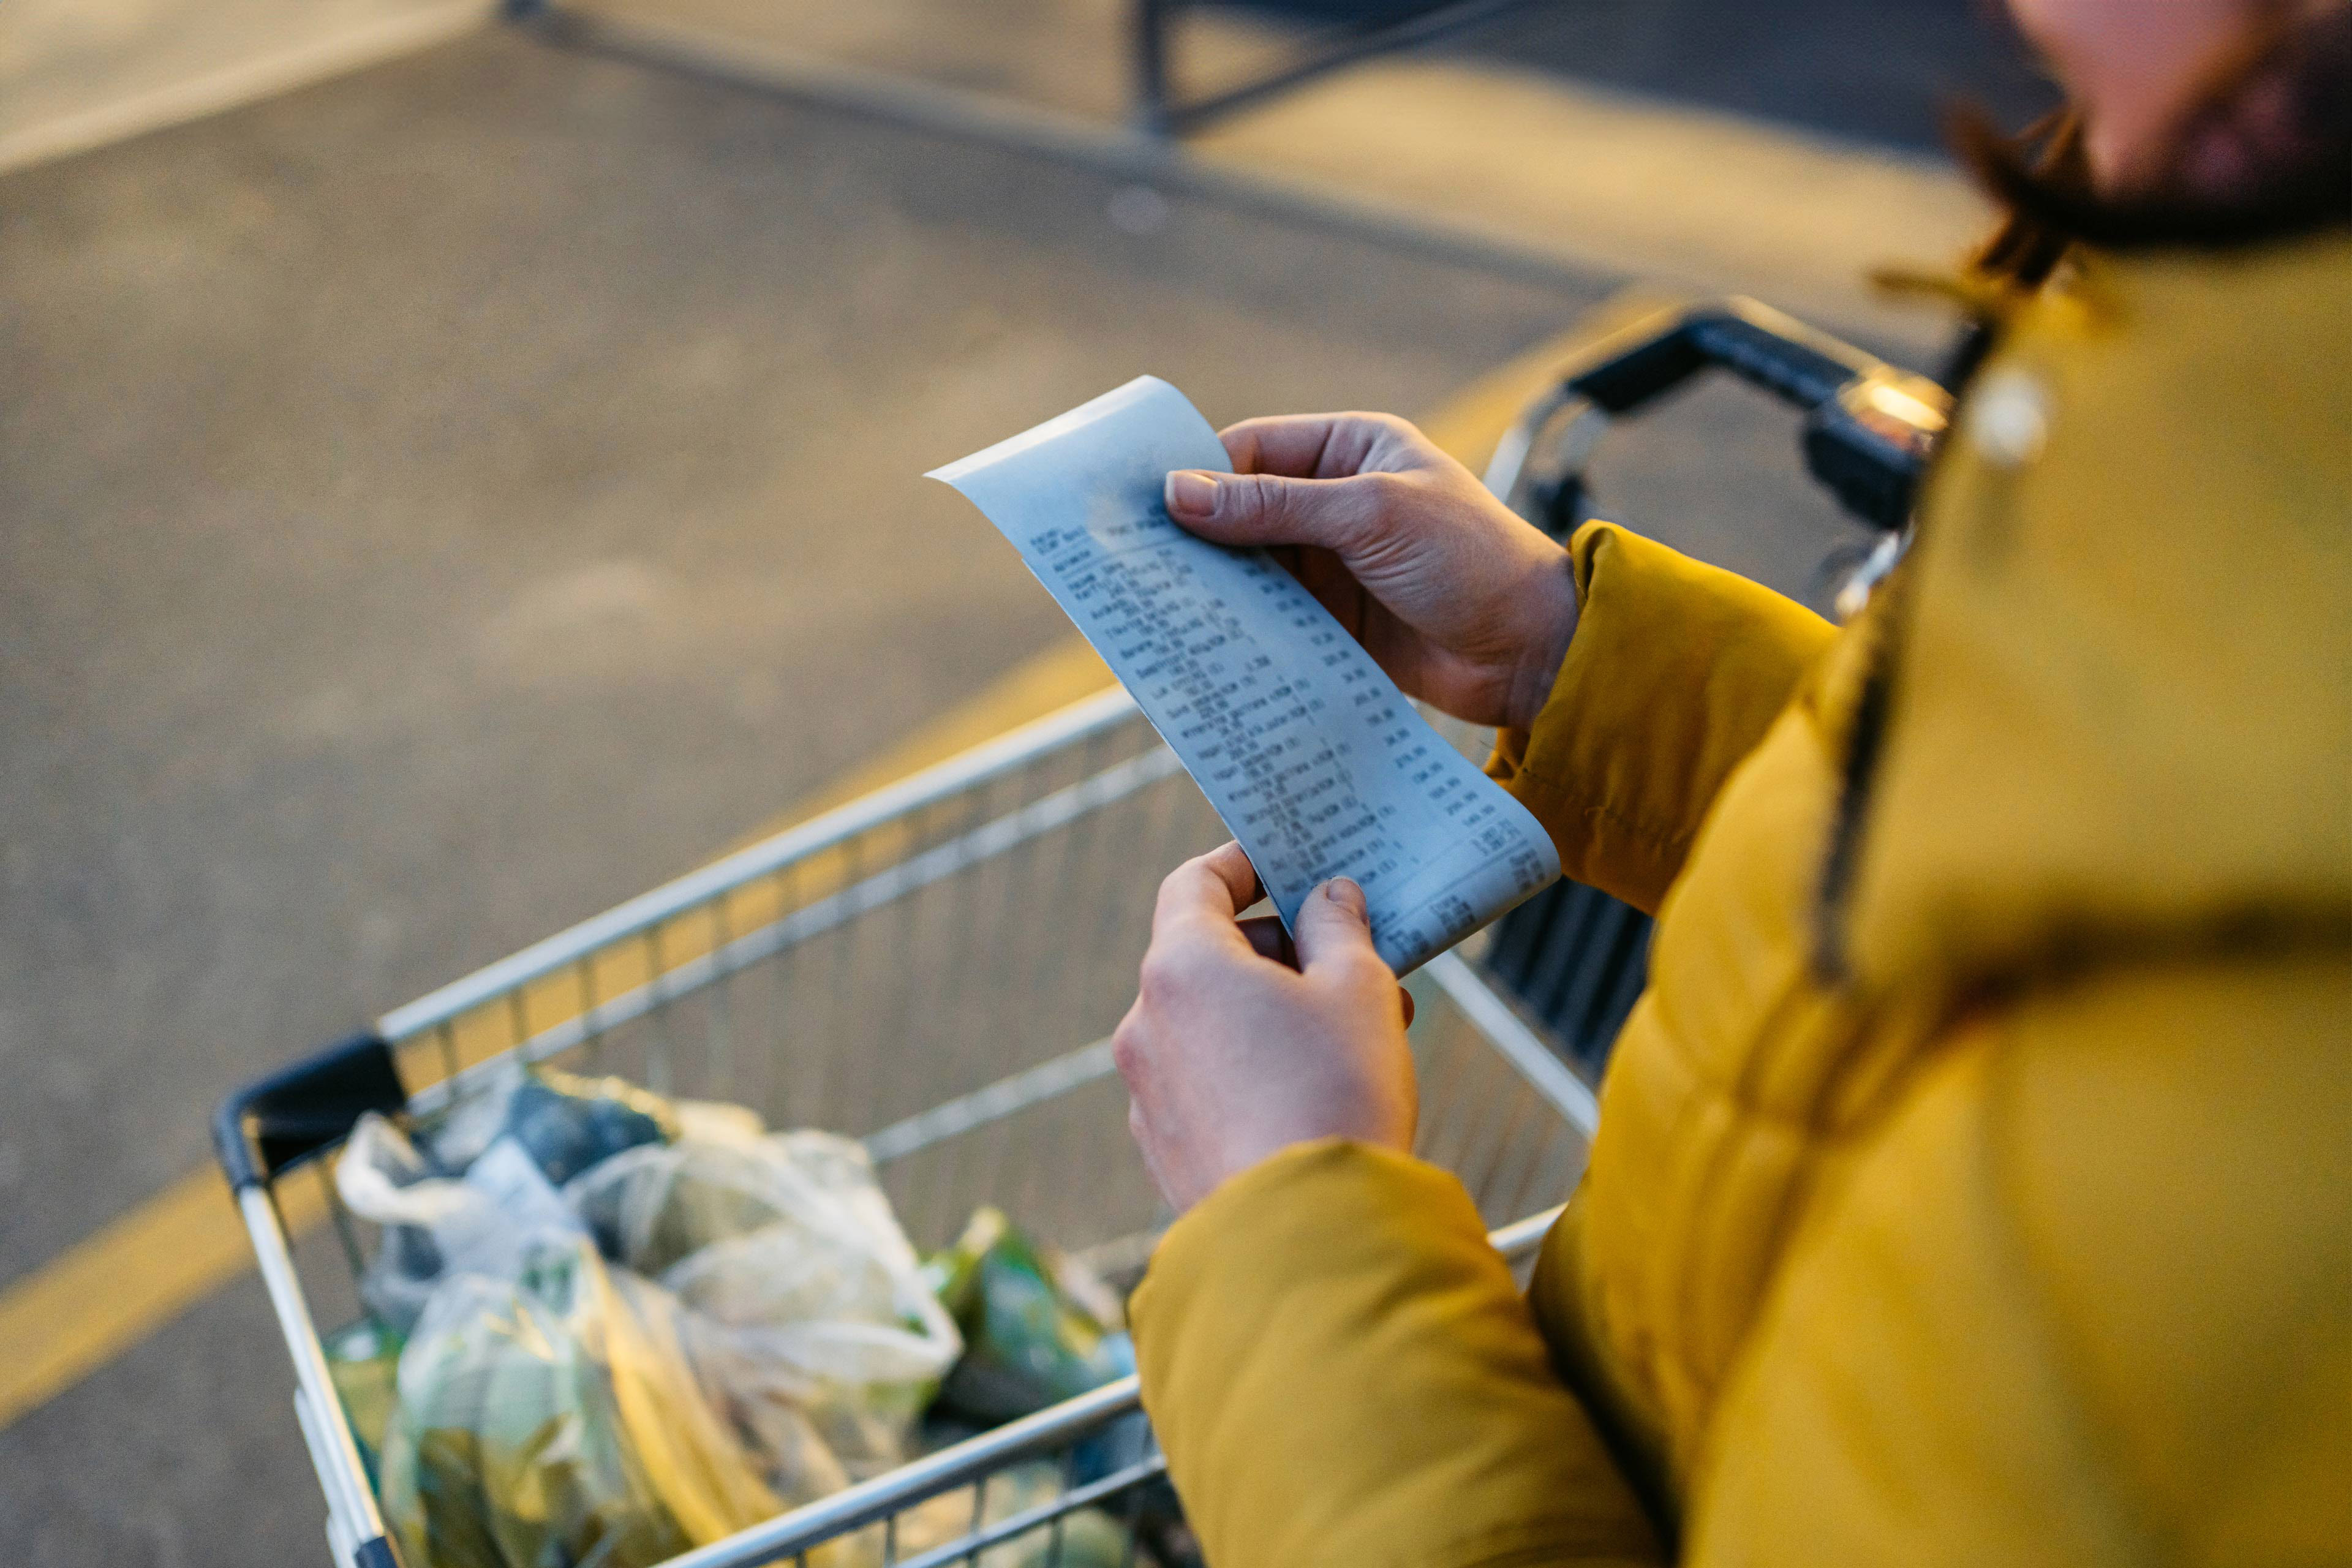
2118,711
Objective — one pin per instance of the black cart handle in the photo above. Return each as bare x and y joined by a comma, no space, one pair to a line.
1869,431
295,1112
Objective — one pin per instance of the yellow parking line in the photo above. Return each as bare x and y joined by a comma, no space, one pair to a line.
107,1293
78,1310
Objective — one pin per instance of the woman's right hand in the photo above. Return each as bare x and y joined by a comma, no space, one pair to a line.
1464,604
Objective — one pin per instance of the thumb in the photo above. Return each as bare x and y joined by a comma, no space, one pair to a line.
1269,508
1333,926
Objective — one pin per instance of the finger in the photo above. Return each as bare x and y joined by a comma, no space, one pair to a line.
1270,941
1308,445
1229,854
1334,928
1269,509
1212,889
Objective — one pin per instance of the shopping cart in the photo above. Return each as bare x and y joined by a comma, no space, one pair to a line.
935,967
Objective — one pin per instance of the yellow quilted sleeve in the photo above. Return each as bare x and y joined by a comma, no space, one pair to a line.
1343,1375
1675,671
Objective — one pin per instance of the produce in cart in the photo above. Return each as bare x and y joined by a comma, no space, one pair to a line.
702,1325
1036,1330
808,1312
553,1419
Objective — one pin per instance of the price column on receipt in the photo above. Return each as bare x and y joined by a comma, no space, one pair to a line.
1319,766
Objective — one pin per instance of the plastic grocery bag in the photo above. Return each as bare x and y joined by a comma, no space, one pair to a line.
552,1421
763,1320
565,1122
478,1184
808,1315
435,1225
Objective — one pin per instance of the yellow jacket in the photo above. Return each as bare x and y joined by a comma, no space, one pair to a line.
1974,1182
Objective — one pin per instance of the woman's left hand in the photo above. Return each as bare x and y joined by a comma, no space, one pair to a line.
1232,1055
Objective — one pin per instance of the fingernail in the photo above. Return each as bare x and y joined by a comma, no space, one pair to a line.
1343,891
1192,493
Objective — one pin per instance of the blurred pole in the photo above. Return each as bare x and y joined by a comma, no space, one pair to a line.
1158,115
1148,41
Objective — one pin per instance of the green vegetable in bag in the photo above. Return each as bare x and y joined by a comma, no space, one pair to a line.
364,1362
1028,1342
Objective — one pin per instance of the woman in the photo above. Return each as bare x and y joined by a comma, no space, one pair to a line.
1975,1178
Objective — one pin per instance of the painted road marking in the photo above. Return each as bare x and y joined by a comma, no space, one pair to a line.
107,1293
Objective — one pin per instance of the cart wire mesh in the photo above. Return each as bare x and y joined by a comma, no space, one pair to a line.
935,968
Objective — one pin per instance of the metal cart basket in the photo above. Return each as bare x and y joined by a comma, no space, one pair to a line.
935,967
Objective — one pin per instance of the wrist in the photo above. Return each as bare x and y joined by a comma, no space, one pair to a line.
1551,625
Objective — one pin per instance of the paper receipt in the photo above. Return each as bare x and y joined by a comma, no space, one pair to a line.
1319,765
